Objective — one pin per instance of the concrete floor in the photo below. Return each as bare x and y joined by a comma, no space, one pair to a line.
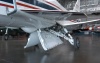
12,51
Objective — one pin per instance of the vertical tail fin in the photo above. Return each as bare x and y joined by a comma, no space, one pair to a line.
77,6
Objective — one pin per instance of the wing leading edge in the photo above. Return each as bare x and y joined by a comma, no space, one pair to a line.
68,22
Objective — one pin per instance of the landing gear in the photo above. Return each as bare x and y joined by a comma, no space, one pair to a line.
6,36
76,43
67,36
72,40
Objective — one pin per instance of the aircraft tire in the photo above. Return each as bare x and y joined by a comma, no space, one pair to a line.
76,43
6,36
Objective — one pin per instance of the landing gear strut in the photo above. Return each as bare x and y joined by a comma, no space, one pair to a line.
6,36
67,36
72,40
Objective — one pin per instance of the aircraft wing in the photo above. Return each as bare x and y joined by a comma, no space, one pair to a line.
68,22
46,18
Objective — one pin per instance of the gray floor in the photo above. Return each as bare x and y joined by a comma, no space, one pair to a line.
12,51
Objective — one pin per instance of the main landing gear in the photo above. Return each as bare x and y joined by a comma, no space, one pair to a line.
76,43
67,36
51,37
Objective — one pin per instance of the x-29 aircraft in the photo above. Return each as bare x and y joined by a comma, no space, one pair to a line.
45,20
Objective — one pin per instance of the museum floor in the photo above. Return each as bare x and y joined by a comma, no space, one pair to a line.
12,51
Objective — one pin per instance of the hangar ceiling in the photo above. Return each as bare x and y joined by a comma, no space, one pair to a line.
86,5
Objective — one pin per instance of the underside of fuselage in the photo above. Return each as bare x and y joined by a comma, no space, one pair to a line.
22,19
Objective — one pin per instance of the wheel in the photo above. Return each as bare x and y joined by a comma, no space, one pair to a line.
6,36
76,43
